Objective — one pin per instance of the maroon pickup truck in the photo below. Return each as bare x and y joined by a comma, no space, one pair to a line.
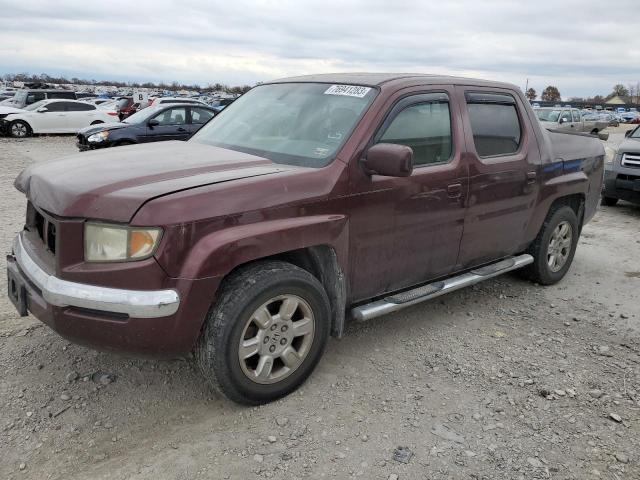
307,202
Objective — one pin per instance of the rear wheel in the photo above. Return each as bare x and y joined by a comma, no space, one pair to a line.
554,247
19,129
265,334
609,201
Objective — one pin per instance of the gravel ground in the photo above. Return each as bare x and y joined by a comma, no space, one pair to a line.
504,380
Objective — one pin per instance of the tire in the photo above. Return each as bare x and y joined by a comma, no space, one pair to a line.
255,293
540,270
124,143
20,129
609,201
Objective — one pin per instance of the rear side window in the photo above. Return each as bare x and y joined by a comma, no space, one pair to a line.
79,107
576,115
494,123
200,115
426,128
67,95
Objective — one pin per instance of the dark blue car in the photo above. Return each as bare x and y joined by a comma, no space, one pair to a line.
152,124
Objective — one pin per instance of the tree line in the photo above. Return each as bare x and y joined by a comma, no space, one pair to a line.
552,94
45,78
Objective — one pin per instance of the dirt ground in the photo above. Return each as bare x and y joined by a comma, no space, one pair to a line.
505,380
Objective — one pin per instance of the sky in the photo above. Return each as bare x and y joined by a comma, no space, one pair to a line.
582,47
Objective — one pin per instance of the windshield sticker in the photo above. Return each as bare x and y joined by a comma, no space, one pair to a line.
321,152
347,90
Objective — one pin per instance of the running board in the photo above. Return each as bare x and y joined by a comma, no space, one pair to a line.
398,301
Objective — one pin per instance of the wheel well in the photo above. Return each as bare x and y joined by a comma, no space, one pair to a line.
575,201
594,131
320,261
97,122
23,121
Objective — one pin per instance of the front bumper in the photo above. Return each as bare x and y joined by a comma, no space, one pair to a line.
621,186
61,293
150,323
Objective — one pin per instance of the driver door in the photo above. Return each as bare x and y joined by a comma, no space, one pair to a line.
172,125
407,230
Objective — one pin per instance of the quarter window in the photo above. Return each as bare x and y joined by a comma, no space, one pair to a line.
494,123
426,128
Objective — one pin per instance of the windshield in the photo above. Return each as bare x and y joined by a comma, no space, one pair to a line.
142,115
35,106
635,133
293,123
548,115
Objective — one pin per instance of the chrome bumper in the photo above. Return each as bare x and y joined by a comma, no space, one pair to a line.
61,293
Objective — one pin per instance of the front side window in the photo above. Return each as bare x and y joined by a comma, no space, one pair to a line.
172,116
426,128
494,123
566,116
35,97
291,123
55,106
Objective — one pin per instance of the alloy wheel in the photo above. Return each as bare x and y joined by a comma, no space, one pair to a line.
559,246
276,339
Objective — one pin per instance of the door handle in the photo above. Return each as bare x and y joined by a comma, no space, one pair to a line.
454,190
531,177
180,129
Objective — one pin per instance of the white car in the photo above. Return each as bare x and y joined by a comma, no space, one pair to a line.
55,116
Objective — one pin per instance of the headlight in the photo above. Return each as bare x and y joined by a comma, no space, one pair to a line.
609,155
98,137
112,243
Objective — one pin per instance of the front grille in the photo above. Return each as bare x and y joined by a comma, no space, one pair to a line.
628,178
631,160
44,226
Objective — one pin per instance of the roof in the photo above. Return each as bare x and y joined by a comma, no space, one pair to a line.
379,79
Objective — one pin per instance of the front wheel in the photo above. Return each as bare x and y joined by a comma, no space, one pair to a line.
19,129
554,247
265,334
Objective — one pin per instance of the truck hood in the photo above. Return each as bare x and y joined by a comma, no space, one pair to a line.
630,145
87,131
113,183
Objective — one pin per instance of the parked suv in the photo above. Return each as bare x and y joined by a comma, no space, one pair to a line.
622,171
310,201
26,97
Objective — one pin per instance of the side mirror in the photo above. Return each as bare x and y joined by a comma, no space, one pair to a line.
561,121
43,109
389,160
153,122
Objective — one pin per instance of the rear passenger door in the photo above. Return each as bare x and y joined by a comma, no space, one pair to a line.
79,115
504,162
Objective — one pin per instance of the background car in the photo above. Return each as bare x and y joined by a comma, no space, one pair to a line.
152,124
221,104
164,100
26,97
54,116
